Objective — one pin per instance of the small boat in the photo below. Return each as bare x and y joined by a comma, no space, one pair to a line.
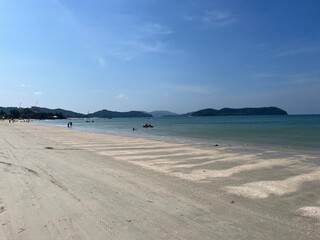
147,126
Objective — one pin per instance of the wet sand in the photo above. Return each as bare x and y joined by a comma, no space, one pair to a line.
60,183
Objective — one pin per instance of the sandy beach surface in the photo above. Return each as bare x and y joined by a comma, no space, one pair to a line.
58,183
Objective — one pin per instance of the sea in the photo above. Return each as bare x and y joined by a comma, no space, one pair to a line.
296,132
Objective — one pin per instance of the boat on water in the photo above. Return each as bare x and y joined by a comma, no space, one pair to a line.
147,126
88,120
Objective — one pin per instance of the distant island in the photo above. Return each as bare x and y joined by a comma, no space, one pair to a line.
163,113
112,114
240,111
46,113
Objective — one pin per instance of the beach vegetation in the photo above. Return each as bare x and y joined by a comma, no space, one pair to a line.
28,113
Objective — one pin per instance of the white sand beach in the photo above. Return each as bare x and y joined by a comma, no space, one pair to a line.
58,183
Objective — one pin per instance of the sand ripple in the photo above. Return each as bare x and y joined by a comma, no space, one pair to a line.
265,189
313,212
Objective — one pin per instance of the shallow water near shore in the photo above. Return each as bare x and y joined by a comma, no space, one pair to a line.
300,132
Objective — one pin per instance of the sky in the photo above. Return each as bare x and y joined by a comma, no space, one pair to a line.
181,55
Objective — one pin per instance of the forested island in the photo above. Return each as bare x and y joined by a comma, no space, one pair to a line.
113,114
240,111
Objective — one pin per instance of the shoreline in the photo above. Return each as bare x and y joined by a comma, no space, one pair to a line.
209,142
117,187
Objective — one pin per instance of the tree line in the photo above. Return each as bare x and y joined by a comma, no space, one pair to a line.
27,113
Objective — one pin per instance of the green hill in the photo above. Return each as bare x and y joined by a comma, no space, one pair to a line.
240,111
113,114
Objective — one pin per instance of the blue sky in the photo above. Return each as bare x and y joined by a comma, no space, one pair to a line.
181,55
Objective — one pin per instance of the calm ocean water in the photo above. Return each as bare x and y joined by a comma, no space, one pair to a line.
293,131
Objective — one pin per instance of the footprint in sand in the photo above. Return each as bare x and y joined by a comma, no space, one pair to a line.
2,208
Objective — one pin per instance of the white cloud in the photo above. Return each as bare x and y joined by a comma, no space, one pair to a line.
189,18
156,28
264,75
298,50
66,15
288,80
212,19
122,96
101,61
131,49
37,93
153,47
217,18
195,89
142,38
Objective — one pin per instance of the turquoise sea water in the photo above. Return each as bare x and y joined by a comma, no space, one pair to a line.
292,131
